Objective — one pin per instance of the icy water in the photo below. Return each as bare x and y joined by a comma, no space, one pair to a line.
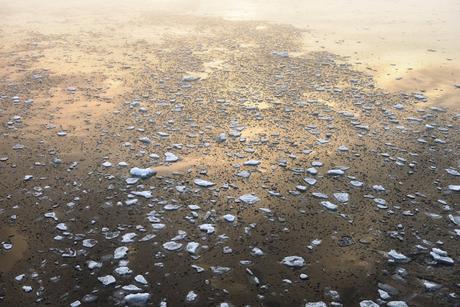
242,153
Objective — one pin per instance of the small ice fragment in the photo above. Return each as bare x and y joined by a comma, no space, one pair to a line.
293,261
244,174
140,279
128,237
122,164
378,188
75,303
452,172
28,177
107,280
192,247
397,304
89,243
356,183
301,188
229,218
62,227
430,285
335,172
310,181
131,181
172,246
203,183
281,54
93,264
252,162
131,288
454,219
257,252
171,207
123,270
220,269
341,197
143,173
27,289
170,157
368,303
398,256
190,78
208,228
145,194
441,256
137,299
120,252
51,215
319,195
312,171
328,205
191,296
197,268
222,137
249,199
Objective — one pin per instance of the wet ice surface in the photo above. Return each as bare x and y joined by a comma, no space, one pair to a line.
289,180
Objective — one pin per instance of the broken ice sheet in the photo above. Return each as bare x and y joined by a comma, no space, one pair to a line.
221,134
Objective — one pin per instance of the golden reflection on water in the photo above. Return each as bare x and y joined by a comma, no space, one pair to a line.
405,44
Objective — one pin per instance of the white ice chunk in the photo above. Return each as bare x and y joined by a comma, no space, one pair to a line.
398,256
328,205
120,252
137,299
293,261
208,228
172,246
142,172
107,280
249,199
170,157
203,183
192,247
